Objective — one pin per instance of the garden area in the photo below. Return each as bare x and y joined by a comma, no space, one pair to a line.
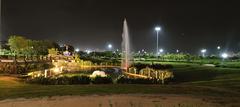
50,71
189,79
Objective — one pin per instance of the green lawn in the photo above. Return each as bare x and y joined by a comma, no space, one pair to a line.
191,79
228,78
30,91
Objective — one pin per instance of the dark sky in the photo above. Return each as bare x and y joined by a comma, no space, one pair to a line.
186,25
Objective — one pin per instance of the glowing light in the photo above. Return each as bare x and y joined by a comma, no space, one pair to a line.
157,28
110,46
219,47
77,50
203,50
45,73
177,51
224,55
88,51
161,50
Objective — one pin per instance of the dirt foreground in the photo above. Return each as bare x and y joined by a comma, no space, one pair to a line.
126,100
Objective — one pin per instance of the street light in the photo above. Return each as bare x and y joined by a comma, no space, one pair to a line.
160,51
157,29
203,51
219,47
110,46
224,55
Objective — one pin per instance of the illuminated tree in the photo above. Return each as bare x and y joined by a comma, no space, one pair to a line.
17,44
53,51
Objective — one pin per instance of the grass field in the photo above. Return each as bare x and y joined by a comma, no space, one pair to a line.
189,79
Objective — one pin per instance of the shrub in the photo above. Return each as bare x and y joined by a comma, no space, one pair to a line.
80,80
140,66
102,80
159,66
61,80
41,80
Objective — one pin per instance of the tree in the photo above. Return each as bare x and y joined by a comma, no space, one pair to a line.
53,51
20,45
17,44
41,47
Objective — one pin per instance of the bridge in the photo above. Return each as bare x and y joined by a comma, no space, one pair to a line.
135,75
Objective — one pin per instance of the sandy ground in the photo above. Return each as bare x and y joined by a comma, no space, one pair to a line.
135,100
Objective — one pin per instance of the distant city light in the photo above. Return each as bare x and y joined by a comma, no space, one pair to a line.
88,51
177,51
224,55
77,50
157,28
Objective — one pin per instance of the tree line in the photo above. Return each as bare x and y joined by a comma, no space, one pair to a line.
20,46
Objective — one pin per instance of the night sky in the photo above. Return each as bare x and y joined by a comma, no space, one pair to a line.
186,25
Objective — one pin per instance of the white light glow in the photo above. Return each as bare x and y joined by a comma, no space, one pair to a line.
110,46
161,50
157,28
88,51
203,50
224,55
77,50
177,51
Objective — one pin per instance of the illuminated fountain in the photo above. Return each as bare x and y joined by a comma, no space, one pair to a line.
126,55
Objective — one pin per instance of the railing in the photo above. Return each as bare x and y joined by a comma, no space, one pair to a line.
136,75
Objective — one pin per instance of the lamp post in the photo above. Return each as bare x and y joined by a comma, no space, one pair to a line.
203,51
161,51
218,50
224,55
157,29
110,46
